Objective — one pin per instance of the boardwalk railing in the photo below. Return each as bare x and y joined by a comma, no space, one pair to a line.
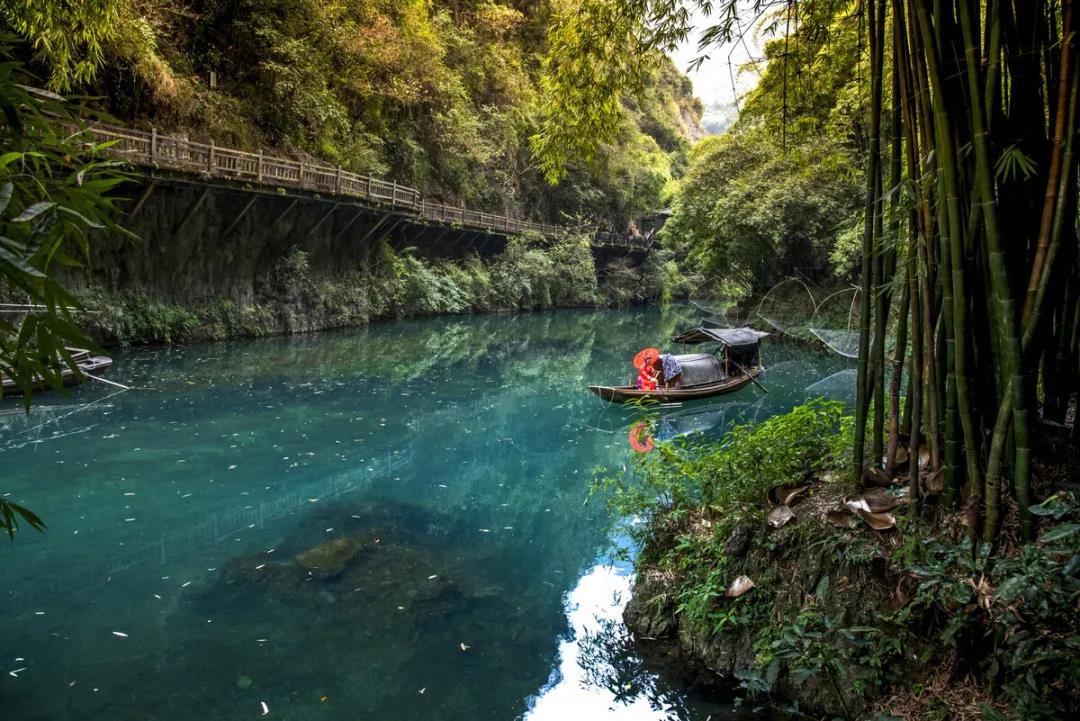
165,151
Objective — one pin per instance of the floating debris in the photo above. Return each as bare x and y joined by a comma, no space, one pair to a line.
120,634
14,673
464,646
265,708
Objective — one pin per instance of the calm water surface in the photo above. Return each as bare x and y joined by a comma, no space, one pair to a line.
446,463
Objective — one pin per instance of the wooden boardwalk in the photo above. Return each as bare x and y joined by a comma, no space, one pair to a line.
210,161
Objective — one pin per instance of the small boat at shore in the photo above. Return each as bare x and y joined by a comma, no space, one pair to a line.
86,361
732,364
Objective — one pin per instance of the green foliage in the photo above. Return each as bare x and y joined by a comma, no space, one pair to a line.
688,500
532,273
783,450
440,95
69,38
53,192
1022,604
751,213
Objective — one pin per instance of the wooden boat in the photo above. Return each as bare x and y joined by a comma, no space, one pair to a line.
734,363
86,362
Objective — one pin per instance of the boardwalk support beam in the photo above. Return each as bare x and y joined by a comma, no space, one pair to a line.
239,216
192,209
143,197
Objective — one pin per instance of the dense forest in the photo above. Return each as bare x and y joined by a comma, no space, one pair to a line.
442,96
914,555
958,120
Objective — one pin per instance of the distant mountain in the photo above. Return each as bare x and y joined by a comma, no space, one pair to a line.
719,116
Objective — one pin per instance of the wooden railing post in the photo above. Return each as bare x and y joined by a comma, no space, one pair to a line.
153,145
393,194
259,168
337,181
210,159
301,178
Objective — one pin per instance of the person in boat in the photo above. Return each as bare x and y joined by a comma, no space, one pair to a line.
646,380
669,371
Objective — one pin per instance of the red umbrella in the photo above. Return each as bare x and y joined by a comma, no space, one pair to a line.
646,356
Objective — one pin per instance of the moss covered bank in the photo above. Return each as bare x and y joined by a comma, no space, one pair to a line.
300,292
762,573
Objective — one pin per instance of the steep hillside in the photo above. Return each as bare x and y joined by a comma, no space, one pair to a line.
439,94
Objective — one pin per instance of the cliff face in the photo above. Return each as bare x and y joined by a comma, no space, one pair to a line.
211,262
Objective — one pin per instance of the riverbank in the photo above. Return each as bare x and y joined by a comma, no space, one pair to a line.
763,573
295,296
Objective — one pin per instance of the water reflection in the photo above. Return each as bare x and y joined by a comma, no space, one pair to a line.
452,455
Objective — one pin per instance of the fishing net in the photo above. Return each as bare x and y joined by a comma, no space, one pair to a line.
838,386
789,307
836,322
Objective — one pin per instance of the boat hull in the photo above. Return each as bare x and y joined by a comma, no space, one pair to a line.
89,364
622,394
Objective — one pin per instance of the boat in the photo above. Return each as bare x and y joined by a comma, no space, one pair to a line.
734,363
86,361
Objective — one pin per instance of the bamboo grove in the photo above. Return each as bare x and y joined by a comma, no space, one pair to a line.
969,253
970,234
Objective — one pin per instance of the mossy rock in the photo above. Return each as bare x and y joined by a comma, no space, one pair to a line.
329,559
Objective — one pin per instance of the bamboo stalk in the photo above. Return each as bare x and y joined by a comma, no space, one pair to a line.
862,403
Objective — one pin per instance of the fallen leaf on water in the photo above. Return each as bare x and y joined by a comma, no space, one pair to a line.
464,646
265,708
739,586
780,516
841,519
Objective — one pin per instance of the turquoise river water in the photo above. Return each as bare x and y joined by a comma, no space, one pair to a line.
447,463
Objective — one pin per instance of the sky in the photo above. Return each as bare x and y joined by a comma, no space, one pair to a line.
718,81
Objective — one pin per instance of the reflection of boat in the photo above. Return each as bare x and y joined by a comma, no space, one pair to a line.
86,362
734,363
705,420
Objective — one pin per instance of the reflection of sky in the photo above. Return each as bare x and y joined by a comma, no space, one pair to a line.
601,595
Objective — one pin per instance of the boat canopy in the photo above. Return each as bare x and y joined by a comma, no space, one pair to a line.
727,336
699,369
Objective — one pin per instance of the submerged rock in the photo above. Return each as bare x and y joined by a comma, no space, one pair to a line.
329,559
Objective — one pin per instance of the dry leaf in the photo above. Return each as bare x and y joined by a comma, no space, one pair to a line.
879,521
858,505
786,495
878,499
780,516
901,455
933,484
873,476
841,519
739,586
